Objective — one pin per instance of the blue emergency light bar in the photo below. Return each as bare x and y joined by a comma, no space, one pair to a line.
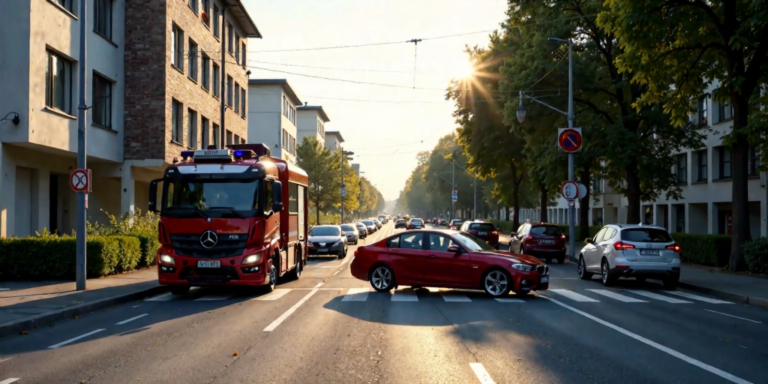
186,154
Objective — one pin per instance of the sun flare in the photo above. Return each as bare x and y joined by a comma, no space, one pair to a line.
463,69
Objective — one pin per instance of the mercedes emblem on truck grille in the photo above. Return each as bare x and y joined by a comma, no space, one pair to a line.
209,239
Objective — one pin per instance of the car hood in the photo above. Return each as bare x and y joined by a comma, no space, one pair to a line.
323,239
513,257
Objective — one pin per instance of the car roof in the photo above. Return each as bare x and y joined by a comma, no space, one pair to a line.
631,226
327,225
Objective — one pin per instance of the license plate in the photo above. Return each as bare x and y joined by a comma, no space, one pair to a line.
647,252
544,279
483,233
547,241
209,264
323,250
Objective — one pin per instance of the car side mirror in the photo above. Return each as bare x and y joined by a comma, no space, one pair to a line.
277,196
454,249
153,195
588,241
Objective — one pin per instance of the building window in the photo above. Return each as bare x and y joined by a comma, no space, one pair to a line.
230,38
753,163
192,129
725,162
682,168
192,60
284,140
242,141
216,81
216,135
242,102
725,110
206,8
237,98
205,126
177,121
237,49
177,48
194,5
216,23
102,101
242,50
293,145
102,18
205,79
69,5
237,139
58,83
597,186
229,137
289,110
701,165
703,111
230,88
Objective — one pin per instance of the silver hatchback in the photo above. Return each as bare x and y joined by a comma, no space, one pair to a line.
639,251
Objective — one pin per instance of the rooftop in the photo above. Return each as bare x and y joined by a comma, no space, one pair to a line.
317,108
238,11
281,82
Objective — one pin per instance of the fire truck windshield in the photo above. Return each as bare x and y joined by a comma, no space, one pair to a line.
205,194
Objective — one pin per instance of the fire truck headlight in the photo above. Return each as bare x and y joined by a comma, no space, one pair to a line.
167,259
252,259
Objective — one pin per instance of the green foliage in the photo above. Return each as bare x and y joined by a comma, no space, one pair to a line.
325,218
143,225
713,250
323,170
756,255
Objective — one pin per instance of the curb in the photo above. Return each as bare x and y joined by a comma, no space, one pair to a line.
756,301
37,321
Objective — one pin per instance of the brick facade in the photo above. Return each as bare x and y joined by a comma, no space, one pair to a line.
151,95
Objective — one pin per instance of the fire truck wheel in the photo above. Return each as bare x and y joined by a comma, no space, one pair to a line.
296,273
272,277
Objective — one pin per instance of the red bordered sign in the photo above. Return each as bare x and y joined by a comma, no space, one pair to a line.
80,180
569,139
570,190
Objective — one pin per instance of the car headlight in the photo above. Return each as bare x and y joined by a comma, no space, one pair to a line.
252,259
523,267
167,259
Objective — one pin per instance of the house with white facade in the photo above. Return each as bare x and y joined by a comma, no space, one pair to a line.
333,140
312,119
272,116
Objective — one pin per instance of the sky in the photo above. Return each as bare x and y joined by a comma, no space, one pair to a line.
385,126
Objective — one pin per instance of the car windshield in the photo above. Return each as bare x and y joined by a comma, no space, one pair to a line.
202,194
484,227
472,243
347,227
368,222
646,235
324,231
546,230
417,221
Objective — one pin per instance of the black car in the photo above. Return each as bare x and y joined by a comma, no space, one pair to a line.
400,223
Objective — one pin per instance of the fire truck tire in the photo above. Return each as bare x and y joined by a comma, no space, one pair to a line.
296,273
273,272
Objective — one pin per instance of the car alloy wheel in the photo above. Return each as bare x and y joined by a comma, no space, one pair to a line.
496,283
381,278
605,272
583,274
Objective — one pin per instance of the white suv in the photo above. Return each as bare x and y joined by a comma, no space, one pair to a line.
630,250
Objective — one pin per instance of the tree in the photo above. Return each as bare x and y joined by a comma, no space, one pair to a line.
323,172
351,184
692,44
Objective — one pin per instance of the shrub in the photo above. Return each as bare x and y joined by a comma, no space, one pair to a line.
756,255
130,252
144,227
327,219
713,250
149,246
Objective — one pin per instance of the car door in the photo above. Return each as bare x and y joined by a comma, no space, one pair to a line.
447,269
408,258
517,239
595,253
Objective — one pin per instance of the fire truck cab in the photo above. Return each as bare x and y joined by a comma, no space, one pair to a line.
233,216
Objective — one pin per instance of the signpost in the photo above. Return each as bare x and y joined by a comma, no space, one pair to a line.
343,191
570,190
80,180
569,139
455,195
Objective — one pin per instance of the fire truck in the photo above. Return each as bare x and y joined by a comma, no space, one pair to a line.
223,219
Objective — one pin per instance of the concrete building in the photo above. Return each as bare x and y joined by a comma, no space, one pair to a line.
333,140
356,168
150,86
312,119
704,175
272,116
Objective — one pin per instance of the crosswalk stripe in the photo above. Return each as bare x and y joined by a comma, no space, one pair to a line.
656,296
163,297
213,297
574,296
404,296
614,295
453,298
274,295
356,294
697,297
506,300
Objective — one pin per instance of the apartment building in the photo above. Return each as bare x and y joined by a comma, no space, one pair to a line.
311,122
272,116
333,140
704,175
356,168
153,88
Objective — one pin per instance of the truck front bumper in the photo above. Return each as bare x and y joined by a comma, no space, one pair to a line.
230,271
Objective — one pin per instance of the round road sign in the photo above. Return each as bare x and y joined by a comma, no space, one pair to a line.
569,140
79,180
570,190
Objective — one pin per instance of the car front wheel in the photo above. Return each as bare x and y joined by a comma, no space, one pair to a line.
382,278
497,283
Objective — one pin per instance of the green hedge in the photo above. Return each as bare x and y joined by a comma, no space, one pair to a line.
756,255
51,257
713,250
149,247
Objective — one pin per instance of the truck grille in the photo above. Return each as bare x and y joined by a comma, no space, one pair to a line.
194,274
189,245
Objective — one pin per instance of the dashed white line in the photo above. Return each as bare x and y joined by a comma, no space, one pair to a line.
336,273
725,314
132,319
481,373
404,296
6,359
454,298
616,296
274,295
319,285
9,381
697,297
74,339
505,300
574,296
290,311
356,294
686,358
656,296
5,289
163,297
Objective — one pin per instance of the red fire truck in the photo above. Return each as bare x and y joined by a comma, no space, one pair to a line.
223,219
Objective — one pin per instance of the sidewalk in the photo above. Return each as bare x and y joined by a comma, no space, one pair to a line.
28,305
710,280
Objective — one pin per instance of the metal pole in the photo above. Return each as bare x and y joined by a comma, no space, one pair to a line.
223,81
82,197
342,187
474,209
571,206
453,188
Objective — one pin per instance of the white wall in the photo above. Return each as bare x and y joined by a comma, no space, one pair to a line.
307,126
266,120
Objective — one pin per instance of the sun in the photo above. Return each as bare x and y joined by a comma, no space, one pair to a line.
463,69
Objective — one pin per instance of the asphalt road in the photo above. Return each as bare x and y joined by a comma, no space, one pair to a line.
328,327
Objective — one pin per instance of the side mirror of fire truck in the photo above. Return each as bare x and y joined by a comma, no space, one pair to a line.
277,196
153,195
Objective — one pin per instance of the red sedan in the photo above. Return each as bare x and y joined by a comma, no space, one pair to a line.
450,259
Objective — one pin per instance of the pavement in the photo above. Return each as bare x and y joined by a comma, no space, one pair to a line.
329,327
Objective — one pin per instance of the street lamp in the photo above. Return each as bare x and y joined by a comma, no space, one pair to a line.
344,154
569,114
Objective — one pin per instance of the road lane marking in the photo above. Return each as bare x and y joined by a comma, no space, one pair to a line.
742,318
574,296
5,289
506,300
335,273
404,296
9,381
6,359
686,358
481,373
274,295
214,297
132,319
319,285
163,297
75,339
614,295
697,297
356,294
453,298
289,312
656,296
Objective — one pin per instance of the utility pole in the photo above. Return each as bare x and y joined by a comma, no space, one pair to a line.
572,205
453,188
415,50
82,197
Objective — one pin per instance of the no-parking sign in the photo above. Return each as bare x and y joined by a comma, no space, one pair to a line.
80,180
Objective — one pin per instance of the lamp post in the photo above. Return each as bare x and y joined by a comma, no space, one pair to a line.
474,208
570,115
344,154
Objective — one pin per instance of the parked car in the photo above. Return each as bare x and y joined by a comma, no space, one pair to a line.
416,223
362,230
444,222
400,223
639,251
383,219
327,240
353,235
377,222
482,230
370,225
455,224
540,240
457,260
